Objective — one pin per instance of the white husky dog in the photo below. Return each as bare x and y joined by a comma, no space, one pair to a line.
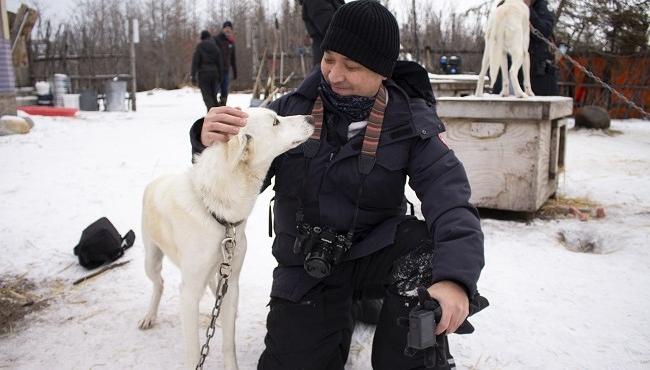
507,32
178,221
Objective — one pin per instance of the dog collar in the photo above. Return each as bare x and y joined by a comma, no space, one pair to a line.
224,222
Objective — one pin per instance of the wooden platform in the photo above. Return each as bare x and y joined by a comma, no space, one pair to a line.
513,149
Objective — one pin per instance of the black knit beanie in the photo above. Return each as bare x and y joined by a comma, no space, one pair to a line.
366,32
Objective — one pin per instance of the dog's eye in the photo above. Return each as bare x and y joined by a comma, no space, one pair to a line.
276,122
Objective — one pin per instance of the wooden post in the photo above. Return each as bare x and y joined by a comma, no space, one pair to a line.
4,20
7,91
302,64
133,39
281,66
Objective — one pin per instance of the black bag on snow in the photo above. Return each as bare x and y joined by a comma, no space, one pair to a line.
100,243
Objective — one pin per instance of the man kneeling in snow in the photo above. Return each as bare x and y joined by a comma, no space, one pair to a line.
341,229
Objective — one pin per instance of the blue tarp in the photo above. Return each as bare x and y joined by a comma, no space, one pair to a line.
7,80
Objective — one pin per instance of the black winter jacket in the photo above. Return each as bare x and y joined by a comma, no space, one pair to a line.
317,15
207,57
227,54
409,146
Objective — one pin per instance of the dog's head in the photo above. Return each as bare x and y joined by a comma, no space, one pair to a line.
267,135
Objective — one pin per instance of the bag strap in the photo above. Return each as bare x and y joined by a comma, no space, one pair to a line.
128,240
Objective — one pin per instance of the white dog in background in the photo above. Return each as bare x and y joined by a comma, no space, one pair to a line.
507,32
177,219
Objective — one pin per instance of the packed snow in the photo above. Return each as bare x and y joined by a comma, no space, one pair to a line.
550,308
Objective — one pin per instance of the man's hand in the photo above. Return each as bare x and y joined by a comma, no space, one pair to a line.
454,303
220,123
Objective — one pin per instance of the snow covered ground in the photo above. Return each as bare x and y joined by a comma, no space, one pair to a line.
550,308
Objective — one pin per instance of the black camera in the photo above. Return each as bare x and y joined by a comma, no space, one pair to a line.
421,323
322,247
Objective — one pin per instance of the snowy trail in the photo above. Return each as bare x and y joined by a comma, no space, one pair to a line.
550,308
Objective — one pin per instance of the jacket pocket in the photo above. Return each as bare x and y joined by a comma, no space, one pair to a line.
393,157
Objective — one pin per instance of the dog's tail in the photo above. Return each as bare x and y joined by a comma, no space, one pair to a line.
496,50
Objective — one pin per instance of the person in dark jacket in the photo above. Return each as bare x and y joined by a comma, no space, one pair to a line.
543,72
346,184
317,15
207,69
226,42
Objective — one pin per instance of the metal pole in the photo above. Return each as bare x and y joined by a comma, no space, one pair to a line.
133,23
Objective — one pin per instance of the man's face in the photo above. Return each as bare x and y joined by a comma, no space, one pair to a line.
228,31
347,77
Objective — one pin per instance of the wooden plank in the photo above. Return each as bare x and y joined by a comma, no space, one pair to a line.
543,185
495,107
501,165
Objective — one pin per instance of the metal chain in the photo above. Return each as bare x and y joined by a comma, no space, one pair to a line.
228,245
584,70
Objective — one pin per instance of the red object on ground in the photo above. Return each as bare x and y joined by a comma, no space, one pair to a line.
43,110
581,215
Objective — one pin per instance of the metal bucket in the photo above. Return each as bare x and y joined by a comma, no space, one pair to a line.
60,86
115,92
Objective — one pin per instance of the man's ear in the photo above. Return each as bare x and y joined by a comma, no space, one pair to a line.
237,149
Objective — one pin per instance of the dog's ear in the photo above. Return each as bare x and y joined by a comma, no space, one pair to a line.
238,147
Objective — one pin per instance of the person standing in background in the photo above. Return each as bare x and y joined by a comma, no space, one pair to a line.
317,15
226,42
542,64
207,69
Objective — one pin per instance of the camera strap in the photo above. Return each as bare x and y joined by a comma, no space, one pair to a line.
368,153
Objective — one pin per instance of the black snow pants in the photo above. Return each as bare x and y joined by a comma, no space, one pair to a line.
208,81
315,333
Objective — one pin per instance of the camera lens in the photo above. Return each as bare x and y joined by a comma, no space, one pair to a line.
317,267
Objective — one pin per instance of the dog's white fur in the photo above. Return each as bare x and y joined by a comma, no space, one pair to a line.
225,179
507,32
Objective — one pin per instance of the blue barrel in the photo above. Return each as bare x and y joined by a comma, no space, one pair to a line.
7,81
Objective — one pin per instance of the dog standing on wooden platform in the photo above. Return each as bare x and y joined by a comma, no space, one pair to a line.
180,212
507,32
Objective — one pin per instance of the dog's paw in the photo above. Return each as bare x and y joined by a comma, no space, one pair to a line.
147,322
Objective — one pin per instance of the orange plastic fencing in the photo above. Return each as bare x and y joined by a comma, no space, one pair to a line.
630,75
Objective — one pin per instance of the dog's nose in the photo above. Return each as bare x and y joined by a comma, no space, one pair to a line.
310,120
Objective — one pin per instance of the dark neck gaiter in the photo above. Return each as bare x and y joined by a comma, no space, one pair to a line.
355,108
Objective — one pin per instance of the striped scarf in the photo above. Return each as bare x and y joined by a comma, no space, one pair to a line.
373,128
